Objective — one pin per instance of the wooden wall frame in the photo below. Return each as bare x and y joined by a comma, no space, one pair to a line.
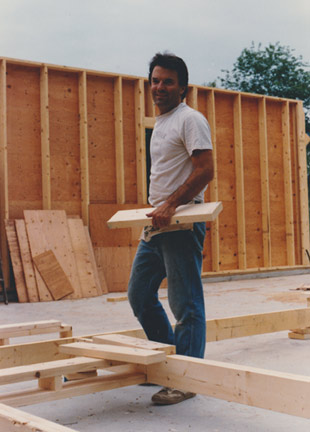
75,139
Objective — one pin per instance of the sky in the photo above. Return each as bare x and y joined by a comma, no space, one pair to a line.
121,36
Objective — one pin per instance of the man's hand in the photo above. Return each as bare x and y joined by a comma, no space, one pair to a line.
161,216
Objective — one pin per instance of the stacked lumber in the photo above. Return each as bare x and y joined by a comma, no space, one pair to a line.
52,257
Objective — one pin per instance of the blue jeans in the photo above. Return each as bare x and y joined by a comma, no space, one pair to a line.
176,255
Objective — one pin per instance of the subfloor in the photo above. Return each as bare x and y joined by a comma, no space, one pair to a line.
130,409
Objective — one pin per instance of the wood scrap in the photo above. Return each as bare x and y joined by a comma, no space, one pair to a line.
53,275
184,214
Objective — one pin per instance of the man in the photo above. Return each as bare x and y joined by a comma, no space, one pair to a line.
181,168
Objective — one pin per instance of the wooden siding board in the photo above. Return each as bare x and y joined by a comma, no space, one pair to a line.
228,238
64,140
252,185
276,183
131,188
101,139
24,135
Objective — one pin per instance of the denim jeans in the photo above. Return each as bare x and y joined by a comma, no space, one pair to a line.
176,255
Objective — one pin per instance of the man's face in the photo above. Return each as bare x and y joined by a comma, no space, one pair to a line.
165,88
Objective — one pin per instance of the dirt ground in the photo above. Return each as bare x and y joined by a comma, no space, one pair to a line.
131,409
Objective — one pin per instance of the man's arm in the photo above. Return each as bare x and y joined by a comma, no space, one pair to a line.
201,175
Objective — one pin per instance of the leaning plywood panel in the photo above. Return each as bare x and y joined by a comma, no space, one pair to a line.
83,260
16,261
48,229
28,269
184,214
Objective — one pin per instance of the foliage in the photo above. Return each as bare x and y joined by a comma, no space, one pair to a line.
273,71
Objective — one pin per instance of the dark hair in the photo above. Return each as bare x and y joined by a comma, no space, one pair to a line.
172,62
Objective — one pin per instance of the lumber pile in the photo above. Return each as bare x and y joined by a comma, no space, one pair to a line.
52,257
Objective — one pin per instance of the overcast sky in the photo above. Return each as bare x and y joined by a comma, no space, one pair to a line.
122,35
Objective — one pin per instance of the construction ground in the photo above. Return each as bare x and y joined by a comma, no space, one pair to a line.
130,408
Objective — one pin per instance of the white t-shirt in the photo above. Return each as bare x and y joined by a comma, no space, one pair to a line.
175,136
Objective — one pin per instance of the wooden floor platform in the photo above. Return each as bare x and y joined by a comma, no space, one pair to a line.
120,359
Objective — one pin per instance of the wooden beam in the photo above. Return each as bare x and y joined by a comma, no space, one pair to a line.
297,204
50,369
263,143
123,340
4,191
303,182
185,213
14,420
149,122
45,140
239,183
112,352
84,147
215,241
288,190
76,388
28,353
276,391
254,324
140,142
119,141
192,97
149,103
37,327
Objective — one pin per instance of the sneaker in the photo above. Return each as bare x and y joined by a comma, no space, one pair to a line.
169,396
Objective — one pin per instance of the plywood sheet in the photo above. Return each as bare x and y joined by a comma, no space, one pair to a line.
53,275
29,272
100,282
48,230
114,263
16,261
186,213
85,268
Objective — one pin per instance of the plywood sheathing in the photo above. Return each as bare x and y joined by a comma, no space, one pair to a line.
52,257
73,138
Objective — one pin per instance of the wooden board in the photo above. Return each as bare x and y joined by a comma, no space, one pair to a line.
273,390
29,272
112,352
16,261
12,420
188,213
85,268
53,275
122,340
48,230
101,283
50,369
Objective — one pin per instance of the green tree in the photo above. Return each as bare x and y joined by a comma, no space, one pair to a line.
273,71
